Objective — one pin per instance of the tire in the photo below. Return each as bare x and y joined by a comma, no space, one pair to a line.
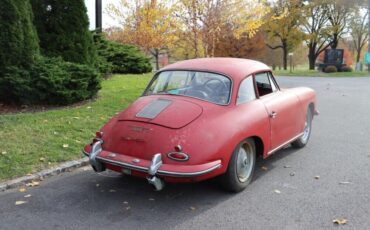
303,140
241,167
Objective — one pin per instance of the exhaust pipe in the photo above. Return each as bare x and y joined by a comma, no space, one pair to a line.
157,183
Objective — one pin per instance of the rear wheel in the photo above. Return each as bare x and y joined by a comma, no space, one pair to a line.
303,140
241,167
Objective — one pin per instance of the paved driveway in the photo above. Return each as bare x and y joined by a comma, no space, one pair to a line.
338,152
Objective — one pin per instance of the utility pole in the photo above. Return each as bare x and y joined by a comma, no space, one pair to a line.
98,15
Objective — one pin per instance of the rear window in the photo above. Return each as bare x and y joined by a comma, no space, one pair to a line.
207,86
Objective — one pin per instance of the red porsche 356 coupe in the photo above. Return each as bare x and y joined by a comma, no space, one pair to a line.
203,118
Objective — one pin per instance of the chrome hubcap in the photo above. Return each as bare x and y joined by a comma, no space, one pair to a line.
307,128
244,163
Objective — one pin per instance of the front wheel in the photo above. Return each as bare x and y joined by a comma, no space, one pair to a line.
303,140
241,167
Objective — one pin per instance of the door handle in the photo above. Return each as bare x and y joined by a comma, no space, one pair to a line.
273,114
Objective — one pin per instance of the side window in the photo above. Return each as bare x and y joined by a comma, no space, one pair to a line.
264,84
246,91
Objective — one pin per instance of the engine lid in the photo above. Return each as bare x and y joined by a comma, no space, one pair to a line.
169,112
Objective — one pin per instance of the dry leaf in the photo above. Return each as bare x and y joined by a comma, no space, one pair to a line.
22,190
29,174
28,195
264,168
76,118
112,190
317,177
344,182
340,221
77,141
292,174
65,145
287,166
125,202
3,153
55,133
277,191
151,199
88,107
128,208
33,184
42,159
192,208
19,202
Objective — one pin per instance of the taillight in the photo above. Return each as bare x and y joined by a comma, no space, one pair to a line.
98,137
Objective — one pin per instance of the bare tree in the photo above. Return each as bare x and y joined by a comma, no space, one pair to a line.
359,30
315,25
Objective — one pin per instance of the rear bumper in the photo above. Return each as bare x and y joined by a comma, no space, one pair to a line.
166,170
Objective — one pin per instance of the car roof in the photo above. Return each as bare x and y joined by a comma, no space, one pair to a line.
235,68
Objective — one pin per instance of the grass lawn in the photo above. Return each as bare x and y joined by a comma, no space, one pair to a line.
315,73
30,142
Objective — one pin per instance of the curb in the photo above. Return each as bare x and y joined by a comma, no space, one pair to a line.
64,167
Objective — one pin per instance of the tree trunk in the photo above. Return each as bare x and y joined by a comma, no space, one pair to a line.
156,56
285,55
312,55
334,43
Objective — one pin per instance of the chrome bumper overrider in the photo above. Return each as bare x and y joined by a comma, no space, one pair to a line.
153,170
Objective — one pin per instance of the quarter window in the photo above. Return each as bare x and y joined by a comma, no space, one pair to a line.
246,91
265,85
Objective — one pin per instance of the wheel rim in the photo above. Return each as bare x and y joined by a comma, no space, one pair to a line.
307,128
244,162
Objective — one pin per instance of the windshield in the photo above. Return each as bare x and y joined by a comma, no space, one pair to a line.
203,85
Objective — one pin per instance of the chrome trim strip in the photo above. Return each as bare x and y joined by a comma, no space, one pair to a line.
159,172
285,143
122,164
199,173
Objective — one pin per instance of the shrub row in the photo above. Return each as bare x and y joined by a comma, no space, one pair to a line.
49,81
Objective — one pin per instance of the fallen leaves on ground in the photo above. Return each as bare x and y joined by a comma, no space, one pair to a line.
42,159
19,202
22,189
340,221
65,145
277,191
344,182
3,153
33,184
264,168
28,195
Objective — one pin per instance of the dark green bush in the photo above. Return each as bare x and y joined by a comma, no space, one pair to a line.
114,57
49,81
346,69
330,69
63,29
18,37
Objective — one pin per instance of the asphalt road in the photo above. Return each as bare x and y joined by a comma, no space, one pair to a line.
339,151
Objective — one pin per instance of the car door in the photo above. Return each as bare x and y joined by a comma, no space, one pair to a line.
282,107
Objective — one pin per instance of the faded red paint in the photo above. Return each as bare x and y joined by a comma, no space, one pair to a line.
207,132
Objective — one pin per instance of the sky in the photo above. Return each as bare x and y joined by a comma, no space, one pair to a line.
107,21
